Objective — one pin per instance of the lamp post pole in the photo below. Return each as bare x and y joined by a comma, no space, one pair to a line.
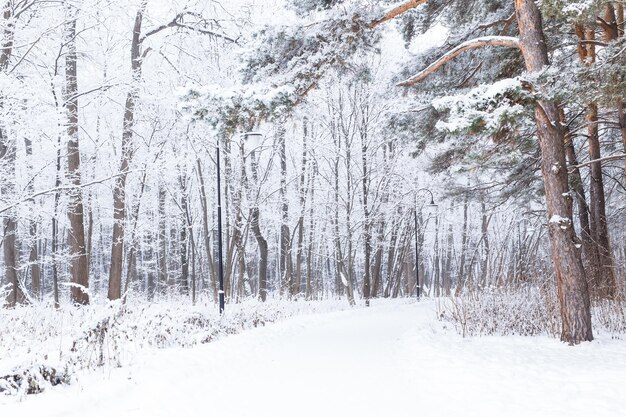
220,292
417,259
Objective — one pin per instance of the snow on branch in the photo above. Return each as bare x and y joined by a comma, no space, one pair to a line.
506,41
397,11
178,22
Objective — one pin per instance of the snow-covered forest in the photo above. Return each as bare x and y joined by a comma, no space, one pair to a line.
290,157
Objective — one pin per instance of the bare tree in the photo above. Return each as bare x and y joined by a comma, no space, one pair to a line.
7,157
79,263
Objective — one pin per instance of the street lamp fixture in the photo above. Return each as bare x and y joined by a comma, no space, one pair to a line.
253,138
433,206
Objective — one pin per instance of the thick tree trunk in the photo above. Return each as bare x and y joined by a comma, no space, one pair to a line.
79,261
621,114
119,190
603,278
7,156
570,275
607,286
589,247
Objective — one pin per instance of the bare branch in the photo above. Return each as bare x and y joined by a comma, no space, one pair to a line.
593,42
605,159
506,22
65,188
506,41
177,21
396,11
470,75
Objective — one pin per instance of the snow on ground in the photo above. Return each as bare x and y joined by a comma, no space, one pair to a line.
393,359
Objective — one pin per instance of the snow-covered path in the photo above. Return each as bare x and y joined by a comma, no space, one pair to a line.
392,359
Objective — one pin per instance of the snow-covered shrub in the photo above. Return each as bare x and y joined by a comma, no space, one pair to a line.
610,316
31,380
42,346
525,310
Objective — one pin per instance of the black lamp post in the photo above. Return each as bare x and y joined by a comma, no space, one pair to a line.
417,263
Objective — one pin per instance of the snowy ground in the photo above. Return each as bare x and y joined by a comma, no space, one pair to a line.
393,359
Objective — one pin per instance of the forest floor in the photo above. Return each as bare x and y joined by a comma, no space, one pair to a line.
393,359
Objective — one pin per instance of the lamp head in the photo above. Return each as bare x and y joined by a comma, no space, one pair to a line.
253,138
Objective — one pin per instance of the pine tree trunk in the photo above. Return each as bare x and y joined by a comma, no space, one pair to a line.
589,246
570,275
607,286
603,278
621,114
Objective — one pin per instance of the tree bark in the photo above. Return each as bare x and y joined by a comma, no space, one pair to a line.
607,285
79,261
7,157
460,285
303,192
570,275
285,237
184,232
589,246
206,230
119,190
256,229
367,234
33,251
309,258
162,275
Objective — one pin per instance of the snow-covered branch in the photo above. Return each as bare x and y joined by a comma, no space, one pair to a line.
64,188
178,22
506,41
